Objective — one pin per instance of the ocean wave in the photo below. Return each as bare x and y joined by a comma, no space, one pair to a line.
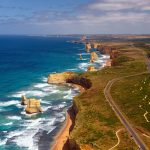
14,117
8,124
3,142
83,66
60,106
84,54
30,128
45,108
9,103
29,93
44,79
73,69
41,85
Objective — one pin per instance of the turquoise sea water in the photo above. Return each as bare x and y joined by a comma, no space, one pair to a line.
25,62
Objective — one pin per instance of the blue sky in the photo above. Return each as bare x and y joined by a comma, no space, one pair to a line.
74,16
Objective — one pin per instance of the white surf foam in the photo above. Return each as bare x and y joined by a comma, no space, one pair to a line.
44,79
9,103
30,93
14,117
41,85
83,66
84,54
74,69
8,124
3,142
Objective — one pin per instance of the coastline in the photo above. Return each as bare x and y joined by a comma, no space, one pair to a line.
63,135
60,141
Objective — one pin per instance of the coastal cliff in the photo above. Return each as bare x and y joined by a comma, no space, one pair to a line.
59,78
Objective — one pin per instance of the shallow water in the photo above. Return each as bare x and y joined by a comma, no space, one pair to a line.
25,63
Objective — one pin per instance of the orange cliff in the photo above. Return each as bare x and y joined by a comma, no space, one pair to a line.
60,78
112,60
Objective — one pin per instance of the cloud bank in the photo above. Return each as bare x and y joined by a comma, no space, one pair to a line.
95,16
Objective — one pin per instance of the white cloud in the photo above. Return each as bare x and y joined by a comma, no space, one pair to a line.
118,5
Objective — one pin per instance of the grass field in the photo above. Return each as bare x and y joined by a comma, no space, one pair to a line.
96,123
133,97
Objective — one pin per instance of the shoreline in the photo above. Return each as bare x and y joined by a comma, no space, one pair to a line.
63,135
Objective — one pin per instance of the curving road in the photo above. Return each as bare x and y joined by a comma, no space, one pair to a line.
120,115
118,112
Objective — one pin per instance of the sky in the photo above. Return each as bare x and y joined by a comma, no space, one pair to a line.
74,17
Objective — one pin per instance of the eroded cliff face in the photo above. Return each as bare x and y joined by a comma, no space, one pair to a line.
113,54
60,78
84,82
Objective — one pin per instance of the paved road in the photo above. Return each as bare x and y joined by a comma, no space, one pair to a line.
118,112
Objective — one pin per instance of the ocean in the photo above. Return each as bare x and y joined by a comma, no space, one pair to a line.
25,62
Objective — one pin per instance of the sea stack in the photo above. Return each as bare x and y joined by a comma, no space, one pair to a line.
81,57
33,106
24,100
94,57
88,47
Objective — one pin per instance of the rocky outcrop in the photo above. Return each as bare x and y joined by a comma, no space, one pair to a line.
91,68
105,49
59,78
94,57
95,45
24,100
84,82
113,54
33,106
109,63
88,46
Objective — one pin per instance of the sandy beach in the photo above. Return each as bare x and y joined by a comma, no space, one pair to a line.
63,135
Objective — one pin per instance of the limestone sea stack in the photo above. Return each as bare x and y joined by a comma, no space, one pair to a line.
94,57
88,47
24,100
60,78
33,106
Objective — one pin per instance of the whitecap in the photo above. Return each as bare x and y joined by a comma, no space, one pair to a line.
74,69
84,54
83,66
30,93
14,117
8,124
9,103
44,79
3,142
41,85
45,108
45,102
